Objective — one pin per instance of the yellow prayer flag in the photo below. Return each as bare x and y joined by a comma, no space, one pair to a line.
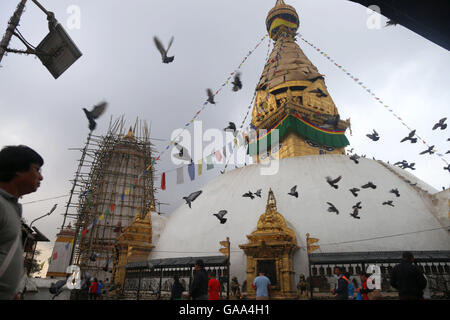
101,217
199,167
312,248
127,192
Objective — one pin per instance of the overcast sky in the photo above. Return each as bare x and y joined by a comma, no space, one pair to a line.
121,65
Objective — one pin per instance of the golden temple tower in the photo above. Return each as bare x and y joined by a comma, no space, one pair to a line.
293,98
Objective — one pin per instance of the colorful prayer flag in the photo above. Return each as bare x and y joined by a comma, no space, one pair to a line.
209,164
218,156
191,170
163,181
180,175
200,167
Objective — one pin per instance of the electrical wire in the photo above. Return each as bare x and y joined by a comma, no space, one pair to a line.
66,195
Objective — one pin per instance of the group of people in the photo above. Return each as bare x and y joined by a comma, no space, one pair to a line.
95,289
406,277
204,285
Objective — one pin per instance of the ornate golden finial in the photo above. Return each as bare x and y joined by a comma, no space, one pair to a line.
271,202
130,134
138,215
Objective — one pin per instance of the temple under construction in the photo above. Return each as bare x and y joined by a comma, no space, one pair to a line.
114,184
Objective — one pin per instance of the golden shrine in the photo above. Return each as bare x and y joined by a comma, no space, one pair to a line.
292,97
270,249
133,244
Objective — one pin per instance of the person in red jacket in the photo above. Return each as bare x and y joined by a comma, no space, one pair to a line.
93,290
213,287
364,290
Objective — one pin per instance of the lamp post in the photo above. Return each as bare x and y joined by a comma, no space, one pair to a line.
47,214
35,244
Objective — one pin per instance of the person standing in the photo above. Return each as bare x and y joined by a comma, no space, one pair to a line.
99,290
262,285
20,174
199,287
235,287
408,279
302,286
177,289
341,289
93,290
362,292
214,287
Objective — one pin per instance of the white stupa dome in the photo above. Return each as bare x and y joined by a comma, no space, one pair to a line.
417,221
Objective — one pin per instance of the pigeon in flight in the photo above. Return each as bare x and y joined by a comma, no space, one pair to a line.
165,58
237,84
258,193
429,150
369,185
96,112
354,191
190,198
391,22
183,153
332,208
319,92
373,136
355,213
357,205
210,96
293,191
440,124
351,150
332,182
396,192
220,215
409,166
333,121
447,168
410,137
231,126
401,163
93,256
355,158
389,203
249,195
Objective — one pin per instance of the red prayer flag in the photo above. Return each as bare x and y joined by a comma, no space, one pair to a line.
218,155
55,255
112,207
163,181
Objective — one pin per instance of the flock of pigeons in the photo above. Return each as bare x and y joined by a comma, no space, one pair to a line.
333,182
355,214
404,164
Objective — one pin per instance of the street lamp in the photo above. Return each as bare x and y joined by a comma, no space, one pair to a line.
35,244
47,214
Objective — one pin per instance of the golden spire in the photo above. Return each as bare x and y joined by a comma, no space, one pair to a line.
130,135
293,98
